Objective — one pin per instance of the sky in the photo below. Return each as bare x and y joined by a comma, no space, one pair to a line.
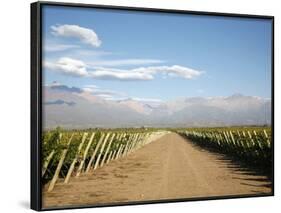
155,56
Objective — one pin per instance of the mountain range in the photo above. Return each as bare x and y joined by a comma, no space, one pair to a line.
74,108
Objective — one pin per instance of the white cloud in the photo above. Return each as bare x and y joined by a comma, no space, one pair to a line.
90,88
68,66
93,90
124,62
91,53
175,70
124,75
86,35
145,73
105,96
79,68
58,47
107,92
148,100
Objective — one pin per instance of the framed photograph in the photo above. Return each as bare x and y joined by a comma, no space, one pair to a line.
137,105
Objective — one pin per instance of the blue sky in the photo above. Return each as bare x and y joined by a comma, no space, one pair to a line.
170,55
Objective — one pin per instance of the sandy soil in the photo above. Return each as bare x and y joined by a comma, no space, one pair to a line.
168,168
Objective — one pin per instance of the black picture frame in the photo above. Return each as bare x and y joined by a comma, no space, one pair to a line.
36,98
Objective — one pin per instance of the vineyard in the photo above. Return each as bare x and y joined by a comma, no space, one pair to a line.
251,145
72,153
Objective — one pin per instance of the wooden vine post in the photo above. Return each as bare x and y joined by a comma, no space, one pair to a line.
109,157
94,153
101,150
66,180
107,150
85,155
57,172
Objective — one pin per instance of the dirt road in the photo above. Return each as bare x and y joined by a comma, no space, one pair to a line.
168,168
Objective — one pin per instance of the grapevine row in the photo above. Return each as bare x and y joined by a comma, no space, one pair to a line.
67,154
252,147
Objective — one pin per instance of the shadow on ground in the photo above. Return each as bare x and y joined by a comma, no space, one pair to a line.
241,166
